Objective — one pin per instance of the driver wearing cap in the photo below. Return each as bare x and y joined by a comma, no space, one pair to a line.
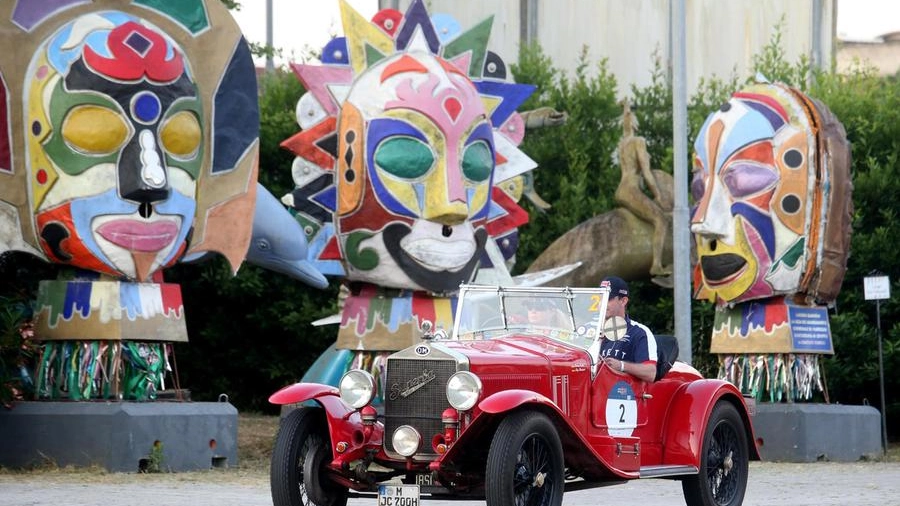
634,352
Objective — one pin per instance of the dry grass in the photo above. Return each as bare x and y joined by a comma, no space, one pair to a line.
256,435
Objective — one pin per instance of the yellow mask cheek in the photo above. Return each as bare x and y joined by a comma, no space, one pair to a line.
402,191
737,287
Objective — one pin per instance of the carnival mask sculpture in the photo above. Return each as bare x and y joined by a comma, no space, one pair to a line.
772,191
120,160
395,173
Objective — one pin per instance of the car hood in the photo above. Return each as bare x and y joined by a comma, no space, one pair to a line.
519,353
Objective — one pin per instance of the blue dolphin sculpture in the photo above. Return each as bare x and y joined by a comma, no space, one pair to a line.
278,242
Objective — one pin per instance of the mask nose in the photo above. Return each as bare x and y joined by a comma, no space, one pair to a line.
142,175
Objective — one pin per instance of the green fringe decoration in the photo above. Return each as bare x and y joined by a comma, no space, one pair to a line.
785,377
91,370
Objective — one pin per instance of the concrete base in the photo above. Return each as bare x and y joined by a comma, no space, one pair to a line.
816,432
120,436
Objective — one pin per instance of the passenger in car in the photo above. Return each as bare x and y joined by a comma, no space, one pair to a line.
543,313
626,346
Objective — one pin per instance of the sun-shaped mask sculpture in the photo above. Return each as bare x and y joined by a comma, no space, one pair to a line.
409,133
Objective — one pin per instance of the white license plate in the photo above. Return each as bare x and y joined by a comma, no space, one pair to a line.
398,495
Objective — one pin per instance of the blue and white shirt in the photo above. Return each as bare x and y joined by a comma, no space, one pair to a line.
637,345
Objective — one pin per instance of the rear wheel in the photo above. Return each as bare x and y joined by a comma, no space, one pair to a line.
302,448
525,463
724,461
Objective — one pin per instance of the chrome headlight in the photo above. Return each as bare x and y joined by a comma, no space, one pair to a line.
463,390
406,440
357,388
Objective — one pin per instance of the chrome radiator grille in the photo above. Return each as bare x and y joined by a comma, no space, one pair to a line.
414,395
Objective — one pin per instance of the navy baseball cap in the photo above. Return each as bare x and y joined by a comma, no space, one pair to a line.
617,286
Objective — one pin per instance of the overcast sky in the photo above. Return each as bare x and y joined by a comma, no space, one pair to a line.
300,24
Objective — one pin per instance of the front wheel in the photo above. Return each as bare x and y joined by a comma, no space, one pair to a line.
302,448
724,461
525,463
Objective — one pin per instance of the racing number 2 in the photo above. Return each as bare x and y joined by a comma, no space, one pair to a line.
621,410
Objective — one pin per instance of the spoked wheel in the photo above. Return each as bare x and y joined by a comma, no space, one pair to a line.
525,463
722,479
302,448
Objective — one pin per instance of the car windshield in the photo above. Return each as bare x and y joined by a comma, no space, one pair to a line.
567,314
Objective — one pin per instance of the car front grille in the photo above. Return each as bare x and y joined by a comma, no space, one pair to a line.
415,395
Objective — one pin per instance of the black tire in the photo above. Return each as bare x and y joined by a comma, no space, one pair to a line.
302,448
724,461
525,464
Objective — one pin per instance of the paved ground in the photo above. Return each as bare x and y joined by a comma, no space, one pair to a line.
819,484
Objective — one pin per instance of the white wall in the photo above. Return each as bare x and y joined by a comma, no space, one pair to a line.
722,35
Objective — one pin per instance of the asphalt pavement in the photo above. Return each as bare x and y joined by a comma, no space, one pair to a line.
815,484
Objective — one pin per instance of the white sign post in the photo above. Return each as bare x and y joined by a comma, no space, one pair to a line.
877,287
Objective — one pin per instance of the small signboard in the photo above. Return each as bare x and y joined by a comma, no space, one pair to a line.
877,287
810,331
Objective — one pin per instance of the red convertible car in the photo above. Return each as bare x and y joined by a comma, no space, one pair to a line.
512,411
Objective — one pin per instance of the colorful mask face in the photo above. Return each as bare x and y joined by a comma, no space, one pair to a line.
759,192
120,148
418,198
115,145
396,164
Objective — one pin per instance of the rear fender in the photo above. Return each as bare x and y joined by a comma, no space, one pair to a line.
689,412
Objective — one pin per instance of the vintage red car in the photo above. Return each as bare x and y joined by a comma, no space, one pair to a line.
513,412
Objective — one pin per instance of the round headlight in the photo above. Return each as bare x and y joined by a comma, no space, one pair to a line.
406,440
357,388
463,390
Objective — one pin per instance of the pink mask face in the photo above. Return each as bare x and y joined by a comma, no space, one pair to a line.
417,196
403,142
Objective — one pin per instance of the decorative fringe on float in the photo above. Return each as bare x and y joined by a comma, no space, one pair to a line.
775,378
118,370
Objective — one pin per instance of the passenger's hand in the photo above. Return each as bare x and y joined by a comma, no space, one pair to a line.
614,364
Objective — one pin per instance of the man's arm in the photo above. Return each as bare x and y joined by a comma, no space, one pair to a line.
645,371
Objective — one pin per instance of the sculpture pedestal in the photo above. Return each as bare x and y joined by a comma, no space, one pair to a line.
120,436
814,432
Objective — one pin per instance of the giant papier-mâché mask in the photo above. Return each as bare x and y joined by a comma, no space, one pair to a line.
135,140
409,131
772,191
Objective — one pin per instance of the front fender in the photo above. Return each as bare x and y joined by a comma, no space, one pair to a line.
299,392
511,399
344,422
576,448
689,412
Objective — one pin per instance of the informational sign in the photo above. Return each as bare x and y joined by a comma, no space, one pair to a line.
810,331
877,287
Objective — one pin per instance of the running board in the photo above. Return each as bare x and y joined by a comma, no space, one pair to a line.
667,471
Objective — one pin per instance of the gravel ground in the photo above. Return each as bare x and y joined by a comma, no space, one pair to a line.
818,484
